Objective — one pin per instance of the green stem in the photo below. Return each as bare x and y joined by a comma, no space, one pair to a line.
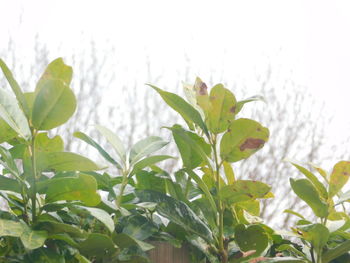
220,222
187,189
122,188
34,175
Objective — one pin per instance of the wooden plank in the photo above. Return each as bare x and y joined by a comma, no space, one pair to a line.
166,253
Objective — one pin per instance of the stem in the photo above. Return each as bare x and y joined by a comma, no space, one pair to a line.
312,254
187,189
220,222
34,171
122,188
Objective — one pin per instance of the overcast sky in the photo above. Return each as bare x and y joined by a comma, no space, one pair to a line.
308,41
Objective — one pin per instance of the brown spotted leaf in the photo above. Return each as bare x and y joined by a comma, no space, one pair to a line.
243,138
221,110
202,96
339,177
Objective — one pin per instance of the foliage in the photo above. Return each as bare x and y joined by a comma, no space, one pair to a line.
63,207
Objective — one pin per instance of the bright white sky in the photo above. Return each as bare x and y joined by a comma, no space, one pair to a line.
308,41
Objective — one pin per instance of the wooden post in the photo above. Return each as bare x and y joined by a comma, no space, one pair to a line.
166,253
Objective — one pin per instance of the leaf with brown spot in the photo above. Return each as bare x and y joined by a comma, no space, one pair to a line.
221,110
243,138
202,96
339,177
251,143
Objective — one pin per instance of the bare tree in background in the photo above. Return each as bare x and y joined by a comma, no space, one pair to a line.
296,129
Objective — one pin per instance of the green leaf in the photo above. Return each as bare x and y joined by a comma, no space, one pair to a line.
100,215
98,245
8,184
222,109
251,206
243,190
308,193
321,171
333,253
293,213
81,259
56,70
251,238
243,138
148,161
204,188
150,181
67,161
283,260
94,144
287,247
6,132
339,177
344,197
318,185
146,147
316,234
15,88
125,241
32,239
193,149
12,114
10,228
187,112
241,103
45,144
56,228
54,104
81,188
177,212
44,255
139,227
8,162
230,176
114,140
